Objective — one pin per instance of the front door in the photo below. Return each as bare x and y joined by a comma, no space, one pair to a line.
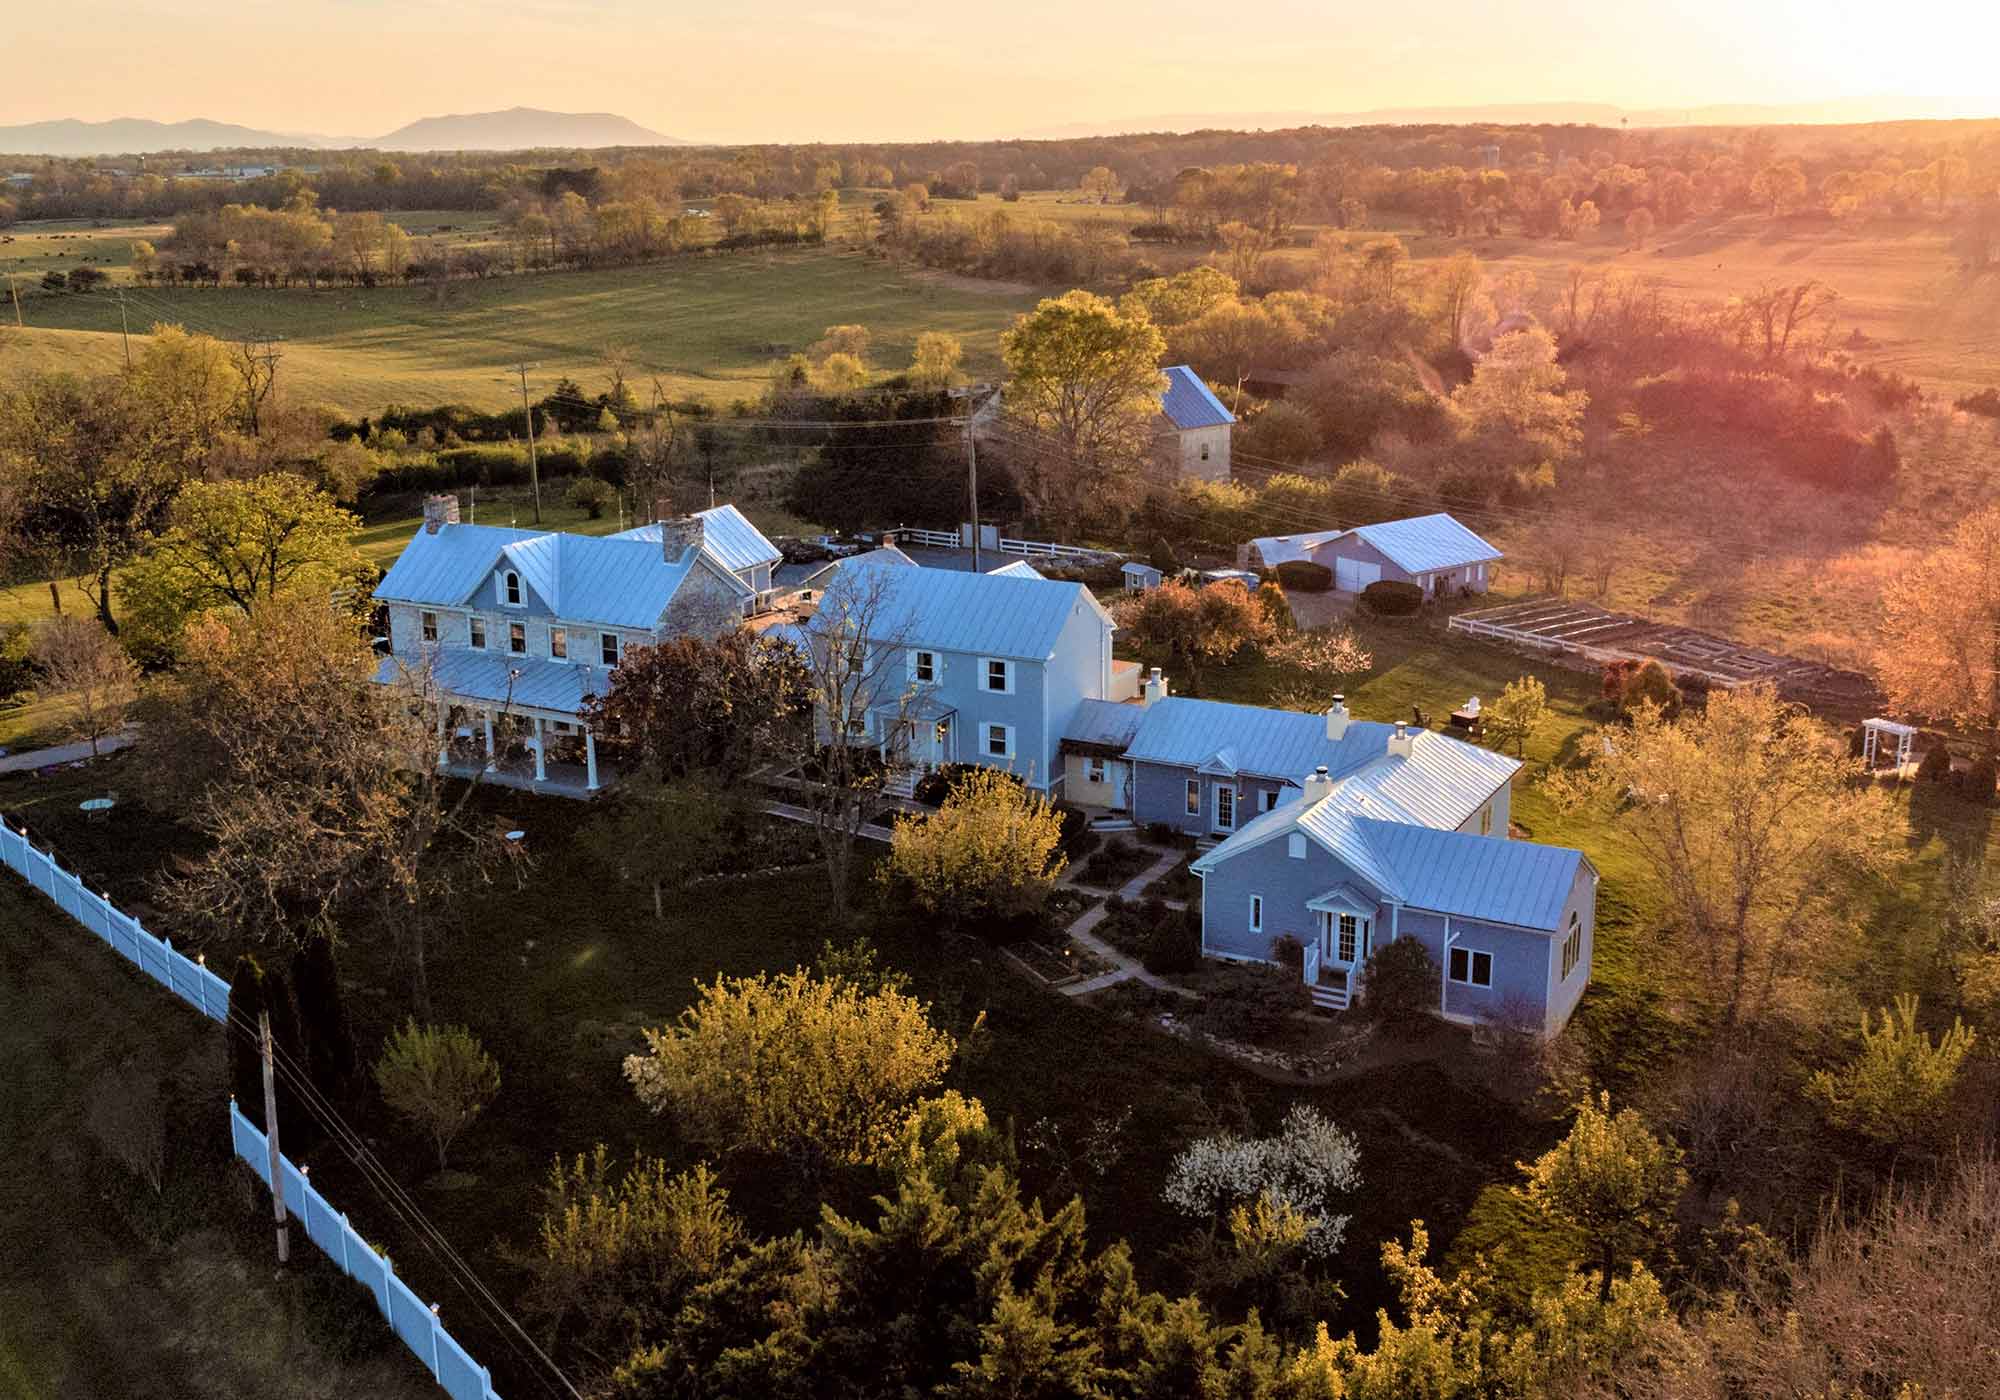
1344,940
1225,807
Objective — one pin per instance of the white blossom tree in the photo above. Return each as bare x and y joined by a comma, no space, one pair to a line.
1309,1161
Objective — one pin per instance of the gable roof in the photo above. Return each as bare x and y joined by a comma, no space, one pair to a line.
1279,549
984,614
583,578
1426,542
726,533
1445,872
1105,724
885,556
1020,568
1188,403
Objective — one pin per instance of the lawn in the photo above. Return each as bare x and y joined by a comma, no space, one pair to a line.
705,326
88,1307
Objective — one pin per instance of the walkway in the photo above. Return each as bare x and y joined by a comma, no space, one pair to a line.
1124,968
66,753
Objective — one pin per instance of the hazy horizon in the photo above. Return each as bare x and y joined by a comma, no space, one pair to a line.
902,72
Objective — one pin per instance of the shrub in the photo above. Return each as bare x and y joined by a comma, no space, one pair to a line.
1250,1003
1399,985
1392,598
1936,764
1078,838
1897,1089
438,1077
1308,577
935,786
1175,945
1288,952
590,495
1162,557
1976,783
1986,402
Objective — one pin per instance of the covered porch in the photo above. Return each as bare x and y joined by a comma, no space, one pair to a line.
511,720
1342,938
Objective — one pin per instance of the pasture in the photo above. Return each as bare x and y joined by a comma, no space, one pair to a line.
703,326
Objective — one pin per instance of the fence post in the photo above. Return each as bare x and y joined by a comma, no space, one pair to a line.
346,1230
437,1326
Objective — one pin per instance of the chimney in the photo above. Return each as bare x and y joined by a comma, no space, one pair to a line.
1402,742
438,511
1336,719
888,539
1154,687
678,536
1318,786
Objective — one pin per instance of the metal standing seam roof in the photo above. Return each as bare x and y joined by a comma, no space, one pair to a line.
949,610
1426,542
535,683
1020,568
726,533
1110,723
1281,549
1285,744
1188,403
583,578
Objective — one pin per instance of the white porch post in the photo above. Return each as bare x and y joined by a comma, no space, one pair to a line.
1444,972
541,766
487,715
590,760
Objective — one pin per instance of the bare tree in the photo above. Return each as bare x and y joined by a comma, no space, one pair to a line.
90,676
1777,312
256,359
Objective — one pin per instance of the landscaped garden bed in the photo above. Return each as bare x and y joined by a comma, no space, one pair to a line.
1058,961
1115,863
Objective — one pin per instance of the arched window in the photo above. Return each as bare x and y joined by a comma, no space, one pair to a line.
513,586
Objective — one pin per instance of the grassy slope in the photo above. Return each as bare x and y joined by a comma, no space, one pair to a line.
85,1308
708,327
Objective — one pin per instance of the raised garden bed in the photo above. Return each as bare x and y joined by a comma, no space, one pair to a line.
1058,962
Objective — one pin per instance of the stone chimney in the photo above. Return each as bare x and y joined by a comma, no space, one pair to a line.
1336,719
1154,687
439,511
1318,786
1402,742
678,536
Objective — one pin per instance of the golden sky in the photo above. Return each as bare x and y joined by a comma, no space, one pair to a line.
897,70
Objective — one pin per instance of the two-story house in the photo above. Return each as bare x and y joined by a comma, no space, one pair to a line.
951,667
1191,438
526,624
727,534
1509,924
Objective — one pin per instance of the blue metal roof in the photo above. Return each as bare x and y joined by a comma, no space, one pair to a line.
952,611
1427,542
1474,877
526,682
1107,722
726,533
1273,743
583,578
1188,403
1020,568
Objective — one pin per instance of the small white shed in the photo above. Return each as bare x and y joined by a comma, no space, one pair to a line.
1139,577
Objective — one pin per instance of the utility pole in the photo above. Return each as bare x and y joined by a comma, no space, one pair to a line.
271,1138
534,470
972,480
16,292
125,326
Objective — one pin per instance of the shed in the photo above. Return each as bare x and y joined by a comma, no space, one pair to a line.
1435,552
1139,577
1194,428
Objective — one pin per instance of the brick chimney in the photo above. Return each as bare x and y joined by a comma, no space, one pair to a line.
678,536
1154,687
1402,742
439,511
1318,786
1336,719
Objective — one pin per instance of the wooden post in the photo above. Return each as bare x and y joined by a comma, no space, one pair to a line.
271,1139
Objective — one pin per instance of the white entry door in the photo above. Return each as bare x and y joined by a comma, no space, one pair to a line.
1353,575
1344,939
1225,807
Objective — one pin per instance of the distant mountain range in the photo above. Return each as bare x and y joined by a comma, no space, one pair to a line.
516,129
1839,111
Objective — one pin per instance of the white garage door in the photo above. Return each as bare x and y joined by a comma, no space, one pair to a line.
1353,575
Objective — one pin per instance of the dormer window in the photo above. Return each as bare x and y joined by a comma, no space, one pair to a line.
558,643
607,647
430,621
510,589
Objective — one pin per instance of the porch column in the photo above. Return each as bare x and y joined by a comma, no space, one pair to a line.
590,760
487,715
1444,972
444,749
541,766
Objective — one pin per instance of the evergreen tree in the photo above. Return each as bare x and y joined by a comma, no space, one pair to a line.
323,1026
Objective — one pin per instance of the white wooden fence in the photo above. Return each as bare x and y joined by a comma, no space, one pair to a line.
1038,549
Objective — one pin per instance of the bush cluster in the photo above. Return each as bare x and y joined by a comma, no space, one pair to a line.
1308,577
1392,598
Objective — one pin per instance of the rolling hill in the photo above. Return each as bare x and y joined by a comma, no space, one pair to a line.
519,129
69,137
516,129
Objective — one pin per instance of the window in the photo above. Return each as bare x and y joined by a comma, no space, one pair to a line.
1350,935
1096,770
1572,945
512,584
607,647
517,639
857,724
1225,807
430,620
1472,968
1204,452
999,741
1486,820
924,667
1267,800
558,643
1194,797
1000,676
1256,913
479,632
1295,845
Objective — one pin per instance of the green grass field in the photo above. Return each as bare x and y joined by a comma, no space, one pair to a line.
706,326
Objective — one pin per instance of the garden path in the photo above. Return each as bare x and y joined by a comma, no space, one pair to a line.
1124,968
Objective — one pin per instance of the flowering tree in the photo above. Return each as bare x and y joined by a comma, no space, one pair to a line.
1298,1171
1195,626
1325,658
990,852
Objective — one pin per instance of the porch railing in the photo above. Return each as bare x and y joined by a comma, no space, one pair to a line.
1312,964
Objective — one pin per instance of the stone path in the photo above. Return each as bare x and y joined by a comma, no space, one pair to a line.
65,753
1124,968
